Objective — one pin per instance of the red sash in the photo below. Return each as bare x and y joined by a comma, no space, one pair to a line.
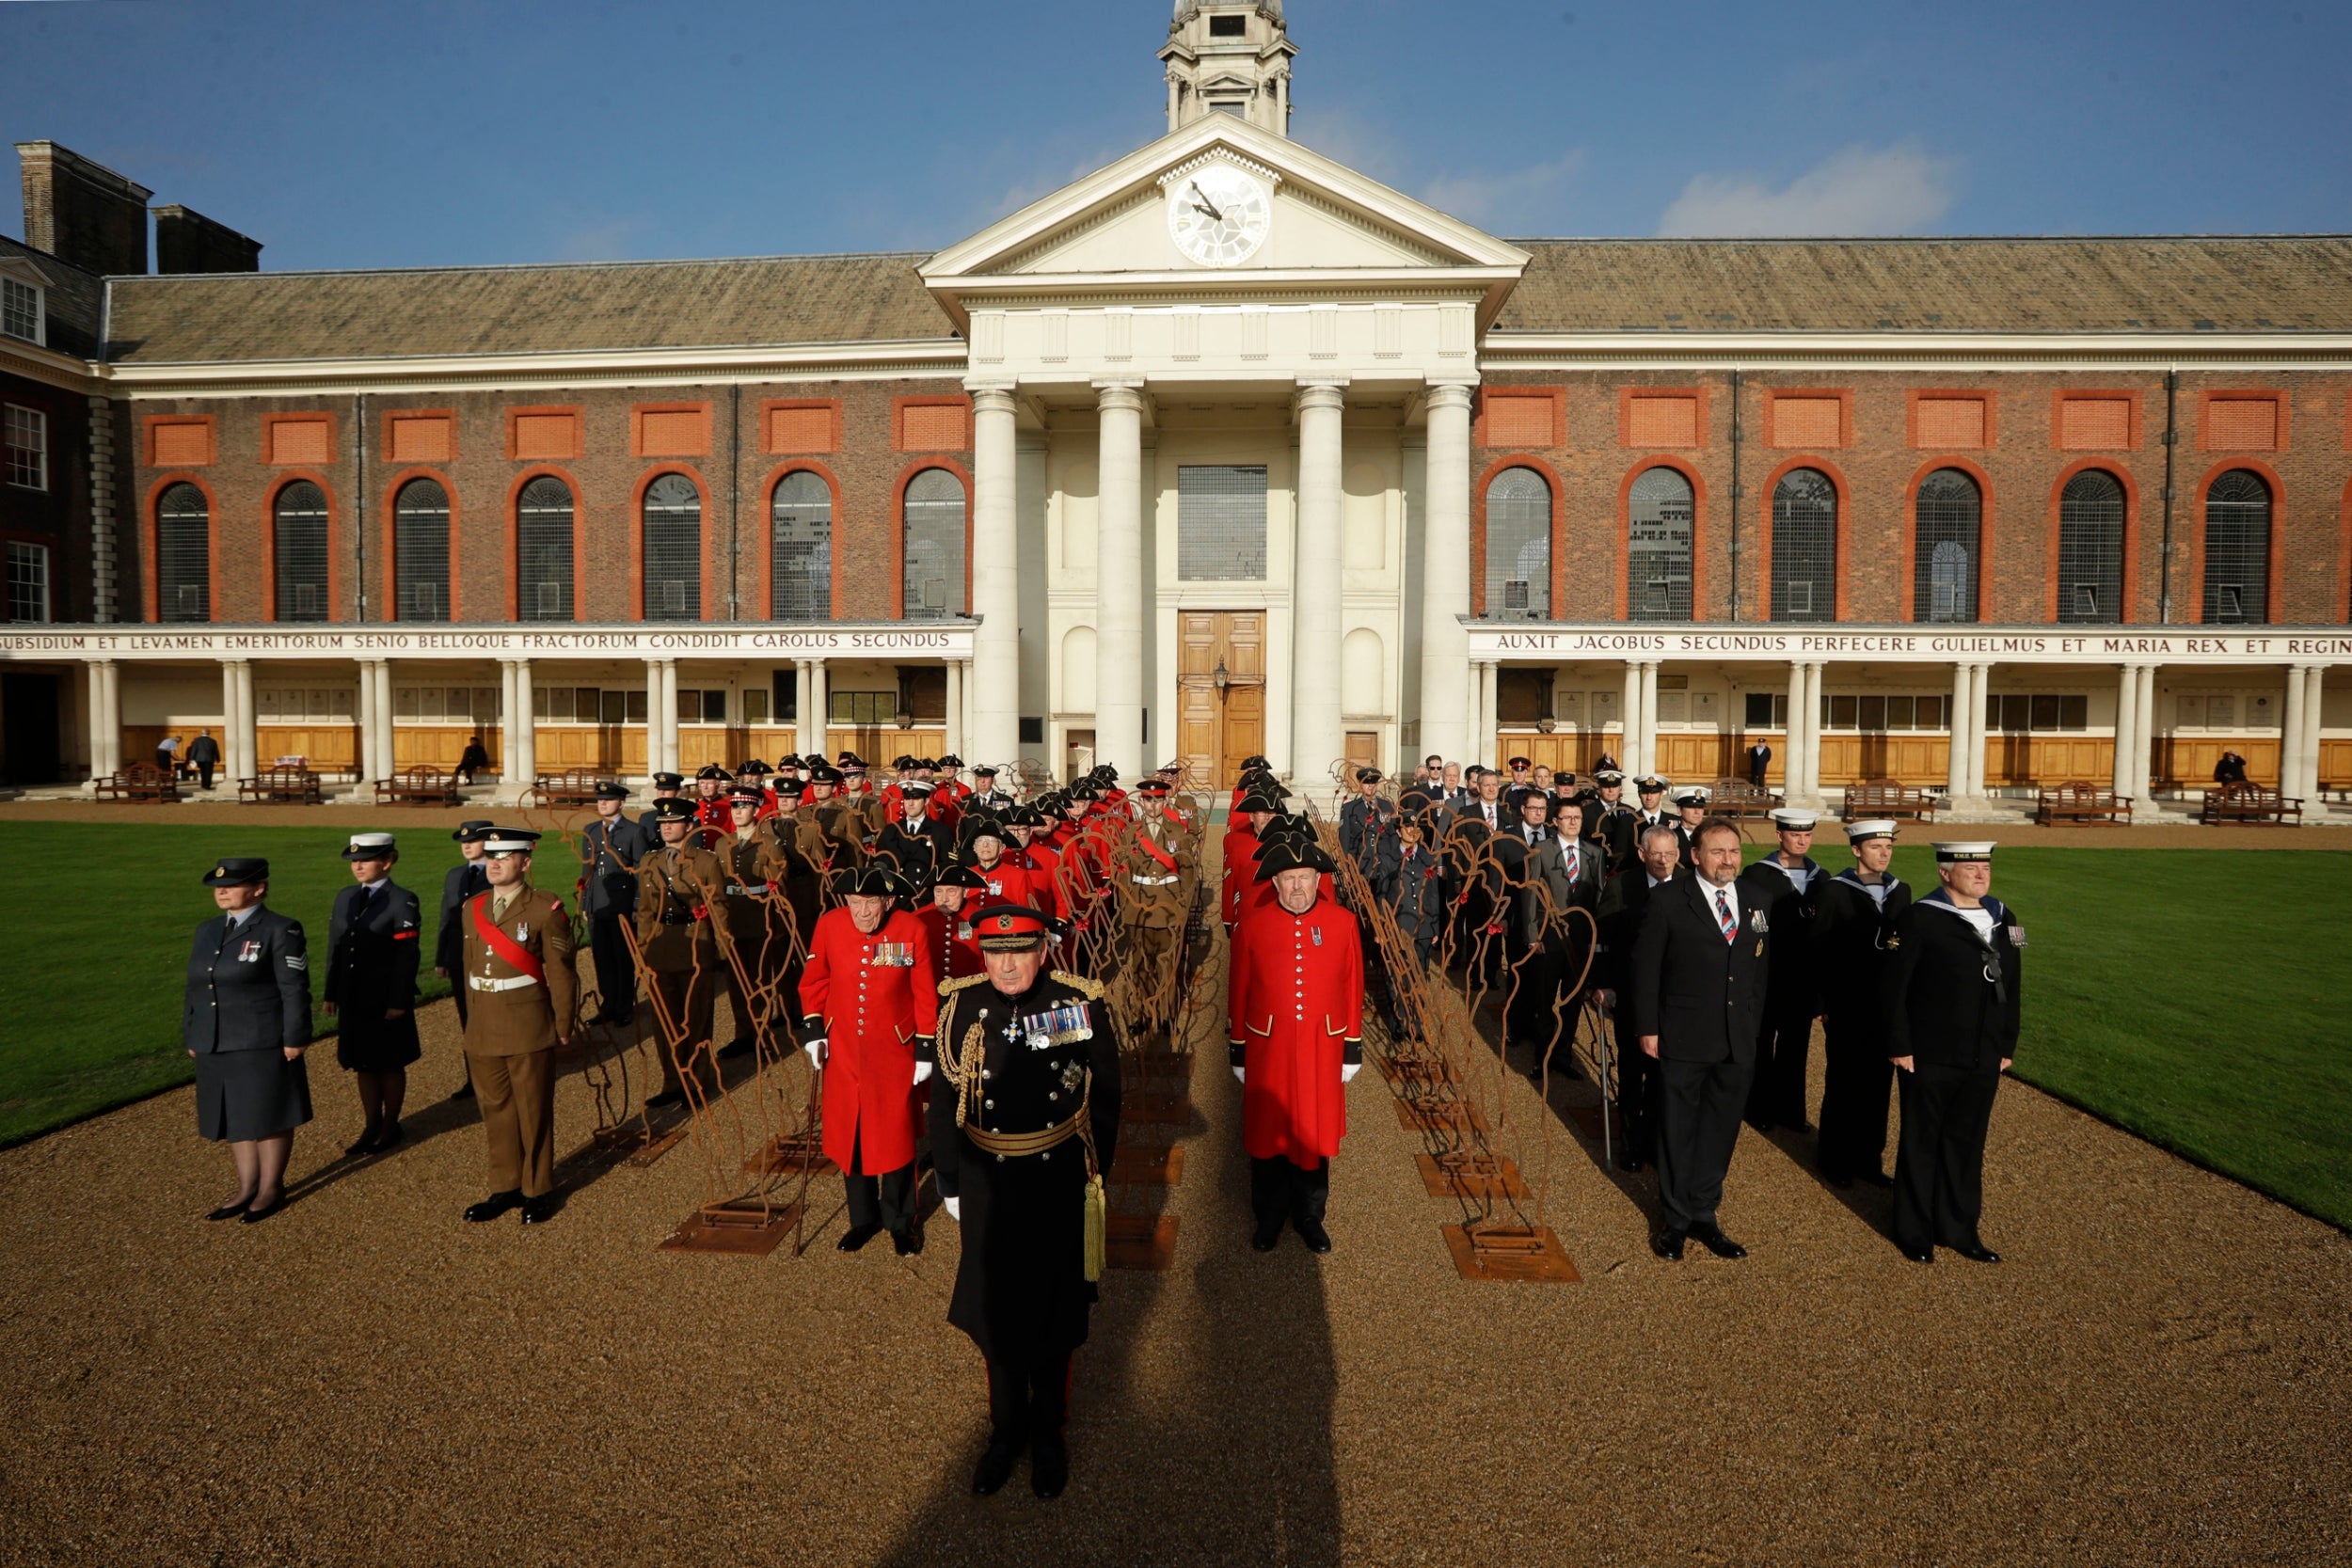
506,948
1165,860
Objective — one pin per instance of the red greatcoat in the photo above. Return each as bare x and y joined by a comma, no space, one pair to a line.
1296,1005
1043,865
1241,865
872,1014
948,940
1009,882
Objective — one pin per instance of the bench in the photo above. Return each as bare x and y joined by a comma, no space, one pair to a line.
282,786
574,786
141,783
1875,797
2076,800
1738,800
2250,803
418,787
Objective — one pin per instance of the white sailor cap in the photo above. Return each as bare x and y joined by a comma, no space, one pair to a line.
508,841
1979,850
1794,821
1877,827
369,846
1692,795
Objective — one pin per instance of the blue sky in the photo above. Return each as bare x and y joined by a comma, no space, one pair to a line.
431,131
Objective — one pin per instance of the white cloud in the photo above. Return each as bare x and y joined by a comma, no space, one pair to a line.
1894,190
1528,201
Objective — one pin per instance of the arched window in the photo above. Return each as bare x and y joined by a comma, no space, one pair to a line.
1518,547
183,555
934,579
2237,547
1658,547
799,557
543,550
298,517
1947,522
2091,547
673,549
1804,546
421,550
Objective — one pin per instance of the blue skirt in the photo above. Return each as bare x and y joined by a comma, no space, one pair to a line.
243,1094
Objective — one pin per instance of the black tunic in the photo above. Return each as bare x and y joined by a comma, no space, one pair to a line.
1792,988
1949,998
1849,952
1020,1287
370,970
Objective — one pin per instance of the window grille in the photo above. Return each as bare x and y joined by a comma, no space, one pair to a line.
543,550
1949,518
421,550
24,432
673,533
1660,512
1220,523
299,518
800,562
20,309
934,546
2091,547
184,556
1518,547
1804,546
29,581
2237,547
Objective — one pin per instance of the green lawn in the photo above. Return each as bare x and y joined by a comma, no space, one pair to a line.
91,990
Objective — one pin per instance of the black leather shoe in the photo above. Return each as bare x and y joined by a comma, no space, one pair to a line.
538,1210
364,1144
230,1210
1877,1179
492,1207
1627,1162
735,1048
1667,1244
1838,1179
1916,1254
667,1097
995,1469
857,1236
1264,1238
391,1138
1977,1252
1312,1232
1712,1238
464,1090
255,1216
1049,1467
908,1241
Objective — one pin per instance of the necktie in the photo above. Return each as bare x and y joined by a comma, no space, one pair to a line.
360,905
1723,913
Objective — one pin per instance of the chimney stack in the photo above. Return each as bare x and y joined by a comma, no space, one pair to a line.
82,213
188,241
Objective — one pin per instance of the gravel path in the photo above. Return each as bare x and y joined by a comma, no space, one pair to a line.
2160,1373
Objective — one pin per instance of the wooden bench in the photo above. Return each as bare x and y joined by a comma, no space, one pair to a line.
2250,803
1738,800
141,783
284,787
1875,797
419,786
2077,801
574,786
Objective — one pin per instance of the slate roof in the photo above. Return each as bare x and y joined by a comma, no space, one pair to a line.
72,296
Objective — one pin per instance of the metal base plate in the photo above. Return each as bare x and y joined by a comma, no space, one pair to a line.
1141,1242
1416,1072
1430,1115
788,1153
743,1233
629,1144
1588,1120
1517,1253
1473,1175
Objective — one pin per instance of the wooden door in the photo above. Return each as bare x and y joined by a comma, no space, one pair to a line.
1363,751
1217,726
1243,732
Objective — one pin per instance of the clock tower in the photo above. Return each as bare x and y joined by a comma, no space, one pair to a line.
1229,57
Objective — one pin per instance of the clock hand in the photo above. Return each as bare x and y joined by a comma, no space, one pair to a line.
1205,204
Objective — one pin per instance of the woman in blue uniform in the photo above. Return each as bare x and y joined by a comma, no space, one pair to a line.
246,1021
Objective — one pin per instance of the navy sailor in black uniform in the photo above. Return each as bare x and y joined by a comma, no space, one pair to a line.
1950,992
1858,911
1787,886
1024,1125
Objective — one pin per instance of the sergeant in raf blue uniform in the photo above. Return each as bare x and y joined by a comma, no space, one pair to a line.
246,1021
372,940
1951,993
1365,822
1024,1123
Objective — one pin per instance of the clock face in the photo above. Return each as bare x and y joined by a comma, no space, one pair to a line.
1218,216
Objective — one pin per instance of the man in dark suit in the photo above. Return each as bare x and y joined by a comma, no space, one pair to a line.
449,943
610,848
372,944
204,755
1625,899
1562,874
1758,756
1519,909
1786,885
918,845
1699,968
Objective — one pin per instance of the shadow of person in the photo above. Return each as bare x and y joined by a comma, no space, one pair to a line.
417,1128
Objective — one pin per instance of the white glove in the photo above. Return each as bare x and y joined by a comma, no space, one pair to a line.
954,1206
1349,1069
922,1071
1240,1076
815,1050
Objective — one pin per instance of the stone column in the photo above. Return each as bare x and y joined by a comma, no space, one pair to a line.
2291,734
1792,765
1119,579
955,707
2316,681
1629,739
995,578
668,716
230,762
1982,681
247,747
94,719
653,718
1956,760
2126,716
2143,763
818,706
387,752
1445,574
1488,742
525,730
1318,739
110,713
507,770
1815,674
367,722
1647,716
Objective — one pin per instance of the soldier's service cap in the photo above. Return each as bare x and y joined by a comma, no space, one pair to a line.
369,846
748,792
672,809
472,831
824,775
1877,827
1151,783
1979,850
983,770
511,841
1650,783
1521,762
874,881
669,780
1293,854
960,875
1609,777
1011,929
712,771
1795,821
236,871
612,789
1367,775
1413,818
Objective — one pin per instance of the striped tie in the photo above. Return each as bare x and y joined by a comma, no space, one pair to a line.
1723,913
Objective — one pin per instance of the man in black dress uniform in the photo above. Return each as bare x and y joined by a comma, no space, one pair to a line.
1690,816
1610,822
1025,1121
1364,822
1851,931
1787,886
1625,899
918,845
1950,990
372,942
610,848
1699,967
463,881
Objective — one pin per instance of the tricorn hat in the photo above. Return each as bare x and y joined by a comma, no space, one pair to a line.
1292,854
